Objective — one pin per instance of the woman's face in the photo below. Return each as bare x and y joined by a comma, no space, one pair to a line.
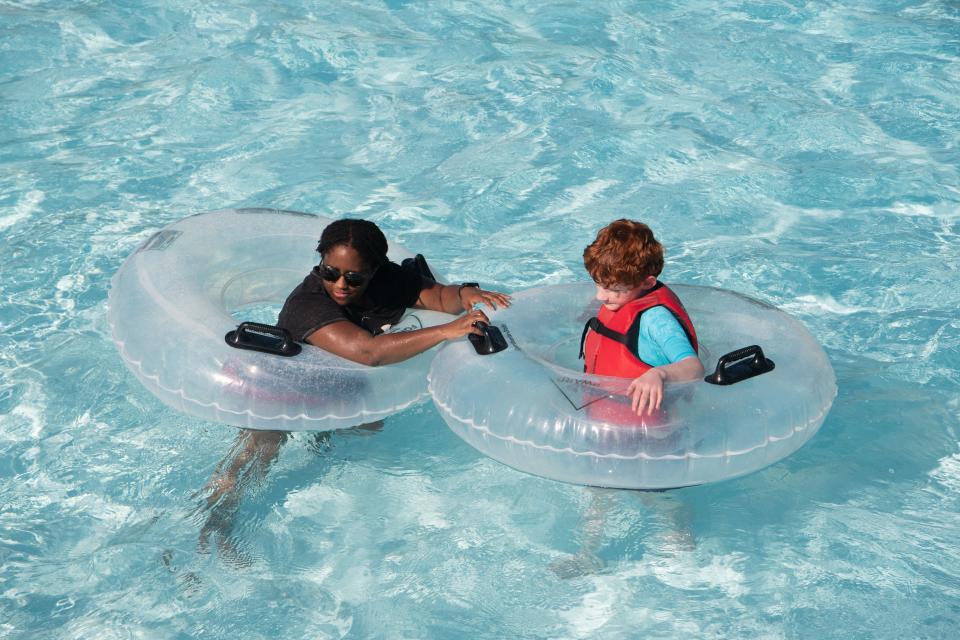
345,276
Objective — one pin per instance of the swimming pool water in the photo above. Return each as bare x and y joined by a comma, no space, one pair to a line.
806,154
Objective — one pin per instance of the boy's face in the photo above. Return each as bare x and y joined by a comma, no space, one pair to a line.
616,296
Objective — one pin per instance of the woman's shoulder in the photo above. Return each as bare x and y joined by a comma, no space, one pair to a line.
393,276
389,270
395,286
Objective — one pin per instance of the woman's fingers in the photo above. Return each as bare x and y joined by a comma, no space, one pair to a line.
492,299
476,316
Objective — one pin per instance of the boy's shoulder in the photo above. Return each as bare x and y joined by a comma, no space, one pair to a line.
659,325
658,315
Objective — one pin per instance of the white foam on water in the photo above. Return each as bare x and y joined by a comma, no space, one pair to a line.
722,572
942,210
823,304
27,205
318,501
839,78
579,197
93,39
421,507
676,569
26,421
947,472
383,145
221,22
111,514
597,608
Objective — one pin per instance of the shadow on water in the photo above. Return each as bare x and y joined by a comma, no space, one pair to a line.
243,472
882,433
670,532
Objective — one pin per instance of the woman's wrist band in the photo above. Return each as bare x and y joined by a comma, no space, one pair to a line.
460,290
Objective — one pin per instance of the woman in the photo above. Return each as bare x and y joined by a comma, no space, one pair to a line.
345,305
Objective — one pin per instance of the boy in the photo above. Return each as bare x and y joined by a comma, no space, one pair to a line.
642,331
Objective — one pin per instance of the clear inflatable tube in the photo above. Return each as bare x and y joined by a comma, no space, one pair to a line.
531,407
170,306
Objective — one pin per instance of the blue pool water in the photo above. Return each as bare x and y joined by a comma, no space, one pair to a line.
806,154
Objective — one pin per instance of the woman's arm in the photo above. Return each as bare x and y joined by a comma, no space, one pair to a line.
349,341
452,298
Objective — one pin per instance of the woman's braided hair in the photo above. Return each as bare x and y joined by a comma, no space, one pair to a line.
362,235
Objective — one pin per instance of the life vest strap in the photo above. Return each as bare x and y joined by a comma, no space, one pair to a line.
595,324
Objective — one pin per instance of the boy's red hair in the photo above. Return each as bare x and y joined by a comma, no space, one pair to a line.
624,253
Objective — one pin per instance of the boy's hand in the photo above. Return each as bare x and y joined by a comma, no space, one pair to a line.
646,392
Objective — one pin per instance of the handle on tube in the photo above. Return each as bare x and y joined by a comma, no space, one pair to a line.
267,338
734,366
492,340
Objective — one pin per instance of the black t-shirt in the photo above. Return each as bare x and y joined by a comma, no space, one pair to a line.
392,289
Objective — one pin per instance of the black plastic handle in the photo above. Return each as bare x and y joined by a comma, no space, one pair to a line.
734,366
492,340
267,338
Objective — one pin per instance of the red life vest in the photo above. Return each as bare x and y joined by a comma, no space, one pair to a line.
609,341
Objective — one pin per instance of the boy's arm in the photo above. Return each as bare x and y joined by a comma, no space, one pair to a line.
689,368
646,392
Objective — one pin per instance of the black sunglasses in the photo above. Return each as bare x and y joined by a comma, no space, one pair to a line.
352,278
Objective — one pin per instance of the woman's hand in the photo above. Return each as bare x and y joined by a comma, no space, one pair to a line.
451,298
470,296
646,392
466,324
